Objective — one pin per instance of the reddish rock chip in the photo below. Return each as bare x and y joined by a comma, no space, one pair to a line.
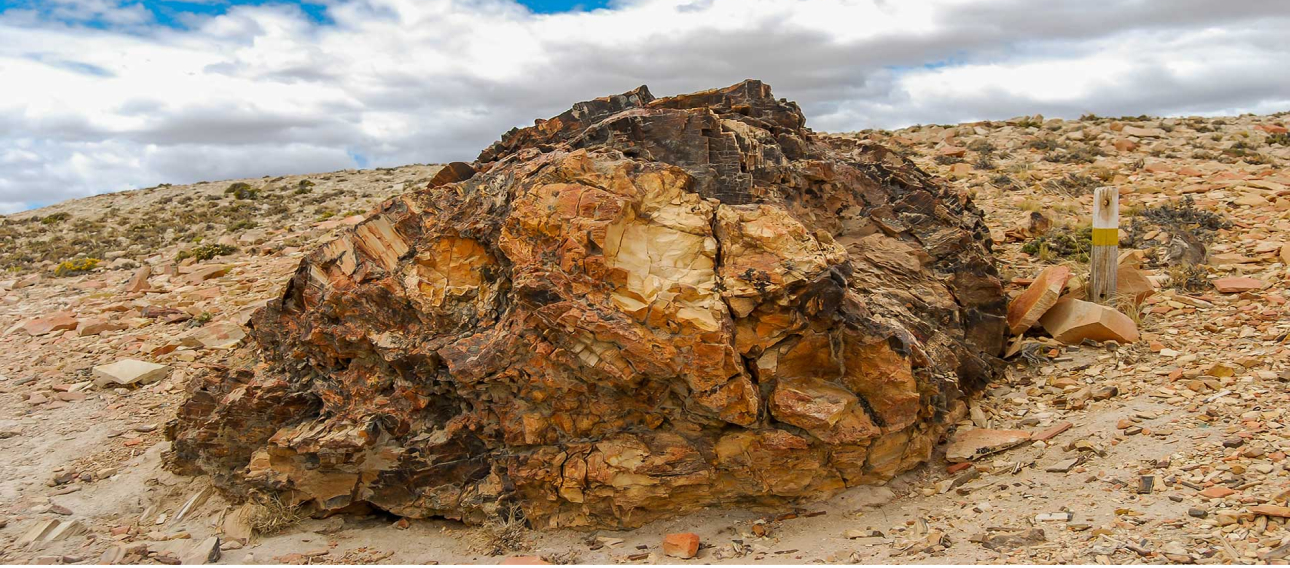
59,321
681,545
1237,284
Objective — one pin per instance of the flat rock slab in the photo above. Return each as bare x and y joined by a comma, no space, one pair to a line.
222,335
1042,294
206,273
1271,511
976,443
129,372
1072,321
1130,281
61,321
1237,284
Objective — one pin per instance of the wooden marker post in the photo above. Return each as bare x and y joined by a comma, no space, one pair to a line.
1106,244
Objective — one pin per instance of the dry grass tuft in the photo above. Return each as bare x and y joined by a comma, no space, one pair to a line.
507,532
1129,305
269,515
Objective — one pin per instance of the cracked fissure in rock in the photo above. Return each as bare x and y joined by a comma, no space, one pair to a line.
638,308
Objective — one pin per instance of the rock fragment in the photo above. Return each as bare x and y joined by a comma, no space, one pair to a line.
139,280
127,372
1237,284
58,321
204,552
1072,321
1042,294
219,335
681,545
1007,540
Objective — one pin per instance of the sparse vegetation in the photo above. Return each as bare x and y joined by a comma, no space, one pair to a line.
1183,215
506,533
206,252
1062,243
1189,278
269,515
1072,185
1081,154
242,190
76,267
55,219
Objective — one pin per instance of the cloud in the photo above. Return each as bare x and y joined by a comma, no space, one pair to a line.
102,96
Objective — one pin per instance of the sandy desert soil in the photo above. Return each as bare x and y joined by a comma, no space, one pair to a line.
1198,405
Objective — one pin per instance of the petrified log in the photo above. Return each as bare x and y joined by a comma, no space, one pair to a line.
637,308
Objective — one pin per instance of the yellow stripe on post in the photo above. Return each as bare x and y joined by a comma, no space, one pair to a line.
1106,237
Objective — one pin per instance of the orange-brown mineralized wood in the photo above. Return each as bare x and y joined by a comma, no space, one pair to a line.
638,308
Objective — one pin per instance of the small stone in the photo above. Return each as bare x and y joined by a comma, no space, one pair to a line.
681,545
1216,492
113,555
1145,484
205,552
129,372
97,327
139,281
1052,432
1237,284
1198,513
203,274
524,561
1062,466
59,321
222,335
1271,511
1010,539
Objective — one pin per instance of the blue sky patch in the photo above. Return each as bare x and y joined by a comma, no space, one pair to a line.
174,13
557,6
171,13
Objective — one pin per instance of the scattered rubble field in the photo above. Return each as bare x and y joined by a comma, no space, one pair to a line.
1170,447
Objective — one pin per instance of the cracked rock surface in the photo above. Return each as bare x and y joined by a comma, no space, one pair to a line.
638,308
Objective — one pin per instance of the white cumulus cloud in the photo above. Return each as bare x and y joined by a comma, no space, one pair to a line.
100,97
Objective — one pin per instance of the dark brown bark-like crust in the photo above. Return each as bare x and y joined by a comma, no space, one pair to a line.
637,308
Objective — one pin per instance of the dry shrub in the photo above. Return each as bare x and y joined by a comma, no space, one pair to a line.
1189,278
507,532
269,514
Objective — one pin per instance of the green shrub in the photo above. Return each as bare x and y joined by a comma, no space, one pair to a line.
76,267
55,218
206,252
242,190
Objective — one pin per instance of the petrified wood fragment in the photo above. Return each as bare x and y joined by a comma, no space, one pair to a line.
637,308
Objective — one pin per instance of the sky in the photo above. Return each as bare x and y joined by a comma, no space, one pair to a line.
108,95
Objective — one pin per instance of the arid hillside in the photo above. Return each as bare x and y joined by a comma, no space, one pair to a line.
1171,449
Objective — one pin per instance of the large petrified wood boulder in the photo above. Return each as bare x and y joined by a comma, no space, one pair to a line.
637,308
